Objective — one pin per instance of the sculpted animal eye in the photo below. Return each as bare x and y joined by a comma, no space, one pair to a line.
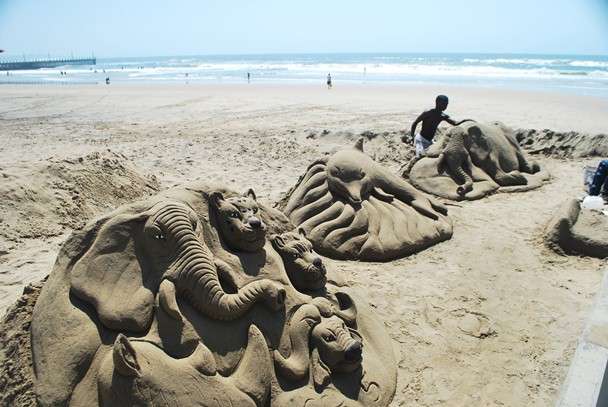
255,210
158,234
235,214
329,338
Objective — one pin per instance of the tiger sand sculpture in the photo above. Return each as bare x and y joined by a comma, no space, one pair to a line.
473,160
350,207
180,299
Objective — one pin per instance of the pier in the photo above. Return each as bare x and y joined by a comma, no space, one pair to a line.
44,63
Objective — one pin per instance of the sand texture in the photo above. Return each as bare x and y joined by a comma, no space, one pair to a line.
489,317
571,144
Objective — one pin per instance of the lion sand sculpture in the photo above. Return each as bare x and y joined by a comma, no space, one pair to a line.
473,160
350,207
199,296
574,230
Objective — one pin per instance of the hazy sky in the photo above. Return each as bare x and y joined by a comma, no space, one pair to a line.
151,27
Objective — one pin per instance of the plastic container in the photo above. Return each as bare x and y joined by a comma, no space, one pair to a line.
588,174
593,202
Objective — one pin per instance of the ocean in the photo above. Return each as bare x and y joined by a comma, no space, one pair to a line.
586,75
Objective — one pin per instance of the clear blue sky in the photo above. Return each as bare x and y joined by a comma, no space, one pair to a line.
152,27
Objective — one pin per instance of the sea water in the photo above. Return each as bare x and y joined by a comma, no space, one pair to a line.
580,74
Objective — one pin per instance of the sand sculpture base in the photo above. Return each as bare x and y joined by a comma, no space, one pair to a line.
578,231
350,207
473,160
197,296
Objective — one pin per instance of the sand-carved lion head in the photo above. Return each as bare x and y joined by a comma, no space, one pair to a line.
304,267
340,347
238,221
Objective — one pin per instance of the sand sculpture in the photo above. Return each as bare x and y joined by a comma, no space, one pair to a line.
574,230
473,160
181,299
350,207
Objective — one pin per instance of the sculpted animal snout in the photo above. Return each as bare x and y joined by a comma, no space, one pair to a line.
254,222
354,352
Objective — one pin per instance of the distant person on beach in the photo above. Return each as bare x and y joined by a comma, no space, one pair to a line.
329,85
430,121
600,180
248,77
107,80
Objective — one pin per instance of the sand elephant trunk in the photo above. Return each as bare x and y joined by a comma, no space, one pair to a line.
462,175
195,275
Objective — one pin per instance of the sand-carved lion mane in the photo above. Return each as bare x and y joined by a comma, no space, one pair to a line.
473,160
181,300
350,207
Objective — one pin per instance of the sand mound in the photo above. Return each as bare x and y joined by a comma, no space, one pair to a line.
384,147
578,231
44,200
570,144
15,351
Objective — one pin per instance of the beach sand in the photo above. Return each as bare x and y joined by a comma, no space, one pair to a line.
490,317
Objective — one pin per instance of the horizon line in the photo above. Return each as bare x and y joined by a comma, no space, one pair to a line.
21,54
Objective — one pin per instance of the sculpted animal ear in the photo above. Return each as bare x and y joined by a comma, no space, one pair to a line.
216,198
355,334
250,193
347,309
321,374
110,275
302,232
125,357
359,144
277,241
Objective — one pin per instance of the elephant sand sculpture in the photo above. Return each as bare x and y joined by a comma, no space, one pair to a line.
350,207
180,299
473,160
574,230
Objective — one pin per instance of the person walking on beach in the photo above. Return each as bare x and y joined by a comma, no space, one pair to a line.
600,180
430,121
329,85
248,77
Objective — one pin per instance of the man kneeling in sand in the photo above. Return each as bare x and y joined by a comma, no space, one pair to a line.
430,121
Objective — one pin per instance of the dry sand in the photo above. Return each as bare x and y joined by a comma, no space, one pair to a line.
490,317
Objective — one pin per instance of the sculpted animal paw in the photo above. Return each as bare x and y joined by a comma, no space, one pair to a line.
425,208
